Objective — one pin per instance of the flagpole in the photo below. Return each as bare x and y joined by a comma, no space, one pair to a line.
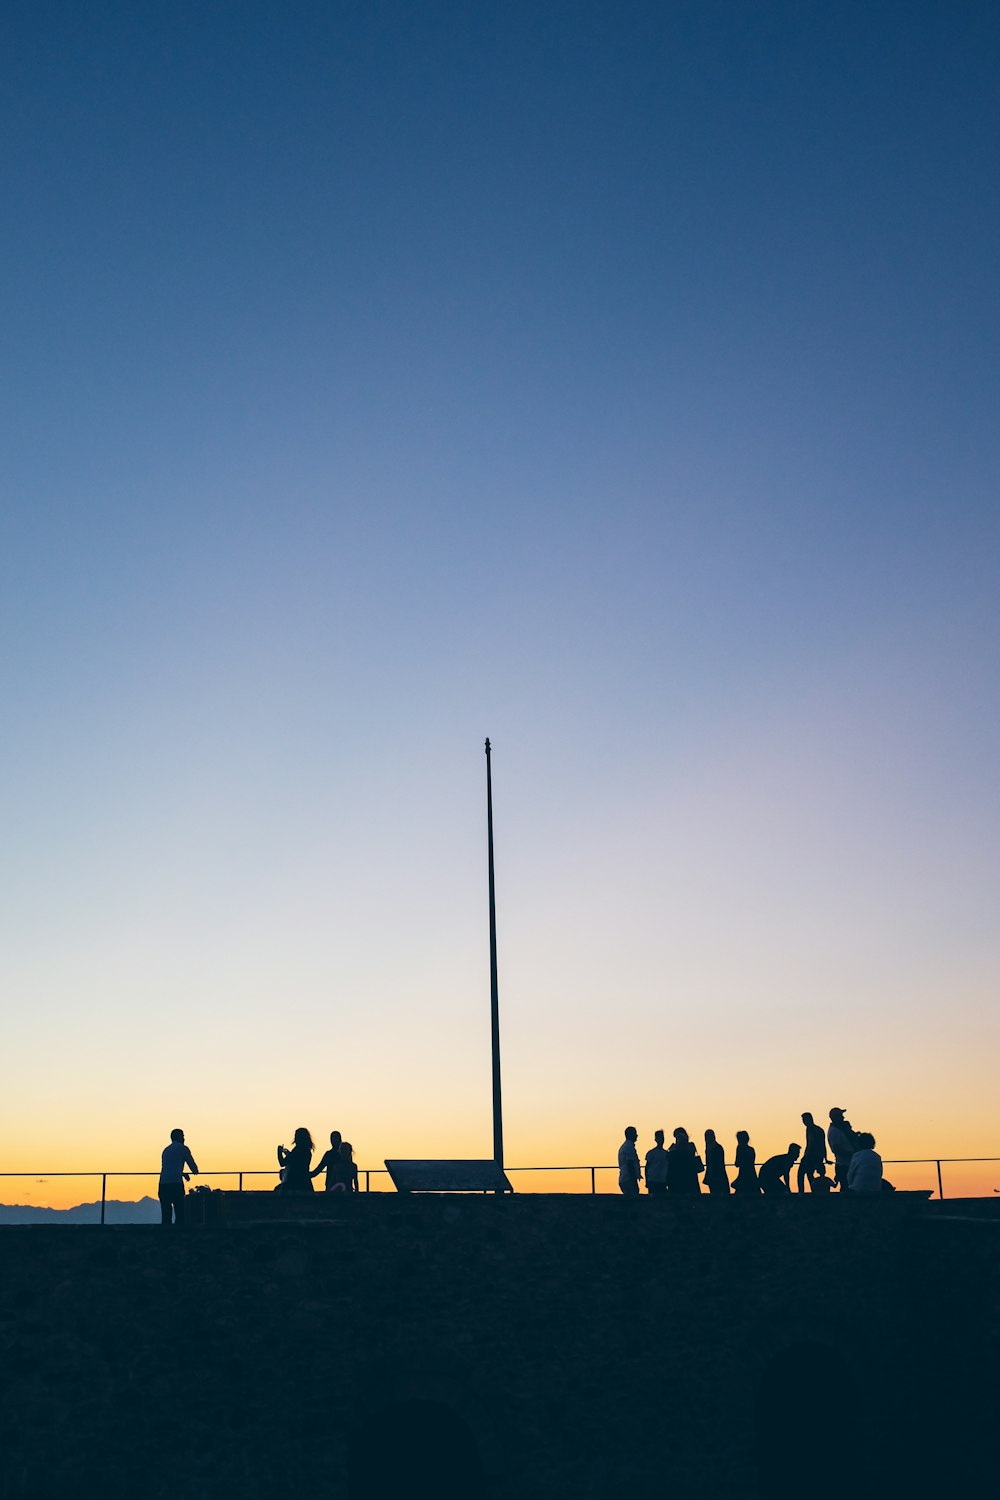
494,993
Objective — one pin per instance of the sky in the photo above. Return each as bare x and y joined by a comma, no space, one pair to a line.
617,381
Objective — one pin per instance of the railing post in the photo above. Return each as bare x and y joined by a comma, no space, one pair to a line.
940,1183
368,1182
593,1179
104,1193
241,1182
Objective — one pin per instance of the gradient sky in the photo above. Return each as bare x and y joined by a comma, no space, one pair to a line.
619,381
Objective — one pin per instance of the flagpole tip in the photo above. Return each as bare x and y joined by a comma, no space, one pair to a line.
487,746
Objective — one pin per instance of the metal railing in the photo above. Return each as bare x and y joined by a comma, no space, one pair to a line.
369,1172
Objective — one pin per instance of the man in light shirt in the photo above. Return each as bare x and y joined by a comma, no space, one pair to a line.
657,1162
175,1158
629,1170
864,1175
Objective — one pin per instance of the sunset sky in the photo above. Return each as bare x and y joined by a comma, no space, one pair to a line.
615,380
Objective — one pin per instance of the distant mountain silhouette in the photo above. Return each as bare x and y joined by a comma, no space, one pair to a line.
146,1211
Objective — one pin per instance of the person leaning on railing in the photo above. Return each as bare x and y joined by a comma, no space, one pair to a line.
170,1191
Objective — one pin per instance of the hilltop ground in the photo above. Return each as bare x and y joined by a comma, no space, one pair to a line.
519,1347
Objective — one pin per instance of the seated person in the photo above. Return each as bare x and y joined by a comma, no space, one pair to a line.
342,1175
864,1174
349,1171
773,1175
330,1160
821,1183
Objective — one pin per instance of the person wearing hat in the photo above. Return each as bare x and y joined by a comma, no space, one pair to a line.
843,1144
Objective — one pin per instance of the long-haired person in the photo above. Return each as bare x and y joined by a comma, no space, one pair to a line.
716,1176
746,1165
295,1164
684,1165
348,1168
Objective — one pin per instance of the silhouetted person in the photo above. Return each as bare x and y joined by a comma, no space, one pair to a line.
746,1165
348,1170
657,1162
716,1176
864,1175
814,1156
170,1192
684,1166
629,1171
330,1160
775,1171
296,1164
821,1183
842,1142
342,1175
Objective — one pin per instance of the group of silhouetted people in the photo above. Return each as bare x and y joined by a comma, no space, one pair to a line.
295,1170
679,1169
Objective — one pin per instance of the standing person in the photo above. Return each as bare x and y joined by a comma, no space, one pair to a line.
775,1171
716,1176
842,1143
657,1163
746,1165
814,1156
629,1170
683,1165
170,1192
864,1175
296,1164
330,1160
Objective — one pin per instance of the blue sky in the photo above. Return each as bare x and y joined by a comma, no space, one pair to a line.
618,381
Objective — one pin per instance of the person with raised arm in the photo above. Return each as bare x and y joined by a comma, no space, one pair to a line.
170,1191
296,1164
